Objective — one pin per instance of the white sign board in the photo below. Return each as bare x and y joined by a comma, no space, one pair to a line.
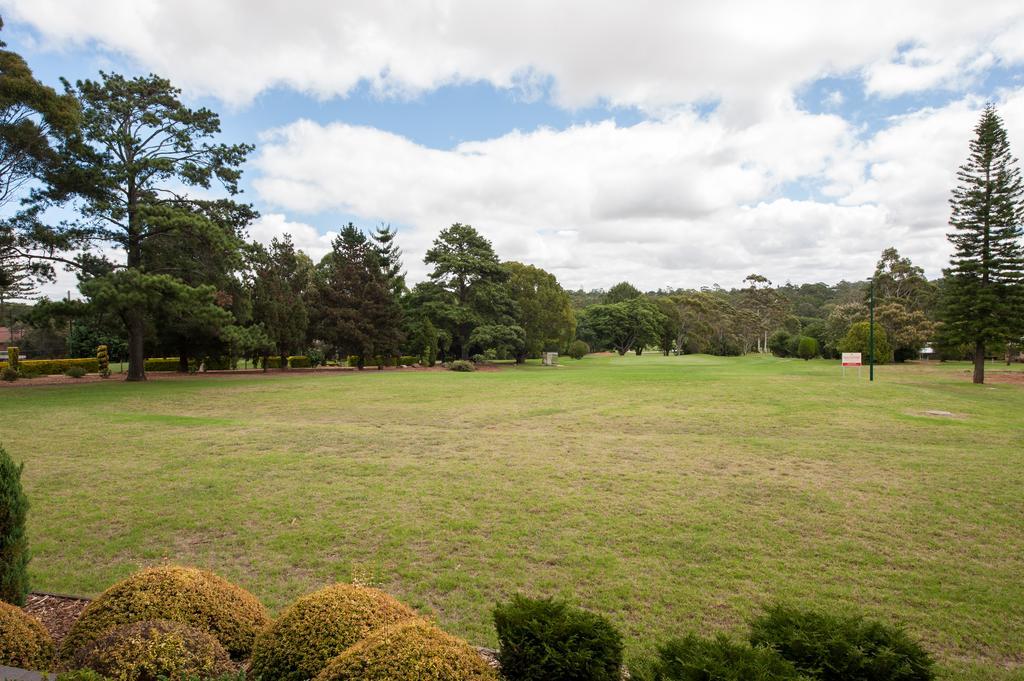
851,359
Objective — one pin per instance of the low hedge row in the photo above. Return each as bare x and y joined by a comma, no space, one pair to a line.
390,361
162,364
50,367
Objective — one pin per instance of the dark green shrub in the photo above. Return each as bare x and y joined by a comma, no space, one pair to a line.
717,659
807,348
180,594
461,365
155,649
14,554
549,639
579,349
320,626
23,640
478,359
778,343
413,650
75,372
838,648
9,374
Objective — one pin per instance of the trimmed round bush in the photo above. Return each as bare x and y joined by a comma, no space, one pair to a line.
10,374
841,648
23,640
413,650
154,650
318,627
461,365
698,659
549,639
75,372
179,594
578,349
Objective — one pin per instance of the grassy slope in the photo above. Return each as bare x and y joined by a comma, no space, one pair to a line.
671,493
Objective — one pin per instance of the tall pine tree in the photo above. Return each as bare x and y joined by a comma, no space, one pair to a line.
983,299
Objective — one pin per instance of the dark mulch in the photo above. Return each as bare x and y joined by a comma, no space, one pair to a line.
57,613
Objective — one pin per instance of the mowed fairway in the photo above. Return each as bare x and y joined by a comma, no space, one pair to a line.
671,493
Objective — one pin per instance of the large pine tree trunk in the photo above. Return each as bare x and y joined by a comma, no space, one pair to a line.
183,353
136,347
979,362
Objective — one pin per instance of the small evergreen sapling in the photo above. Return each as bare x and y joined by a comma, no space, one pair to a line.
14,554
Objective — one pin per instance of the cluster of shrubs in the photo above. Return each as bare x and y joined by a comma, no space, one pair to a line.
461,365
182,623
783,344
548,639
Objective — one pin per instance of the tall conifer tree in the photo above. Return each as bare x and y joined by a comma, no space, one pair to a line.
983,299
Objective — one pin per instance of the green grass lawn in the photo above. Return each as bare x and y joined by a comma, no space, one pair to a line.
671,493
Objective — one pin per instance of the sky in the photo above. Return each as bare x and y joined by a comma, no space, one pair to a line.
669,144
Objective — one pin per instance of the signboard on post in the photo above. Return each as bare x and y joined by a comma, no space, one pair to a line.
851,359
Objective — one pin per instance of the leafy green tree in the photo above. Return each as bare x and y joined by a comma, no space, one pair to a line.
14,555
857,340
621,292
473,286
246,341
33,117
621,326
711,323
279,278
356,309
159,299
898,280
543,310
140,146
983,300
671,324
908,330
840,319
200,245
767,308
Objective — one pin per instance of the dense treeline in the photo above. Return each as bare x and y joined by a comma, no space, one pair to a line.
166,274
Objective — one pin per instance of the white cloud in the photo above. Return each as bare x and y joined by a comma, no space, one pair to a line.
673,193
679,199
682,200
305,237
652,54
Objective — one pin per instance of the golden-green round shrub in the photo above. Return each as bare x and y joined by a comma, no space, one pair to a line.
413,650
318,627
23,640
153,650
189,596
